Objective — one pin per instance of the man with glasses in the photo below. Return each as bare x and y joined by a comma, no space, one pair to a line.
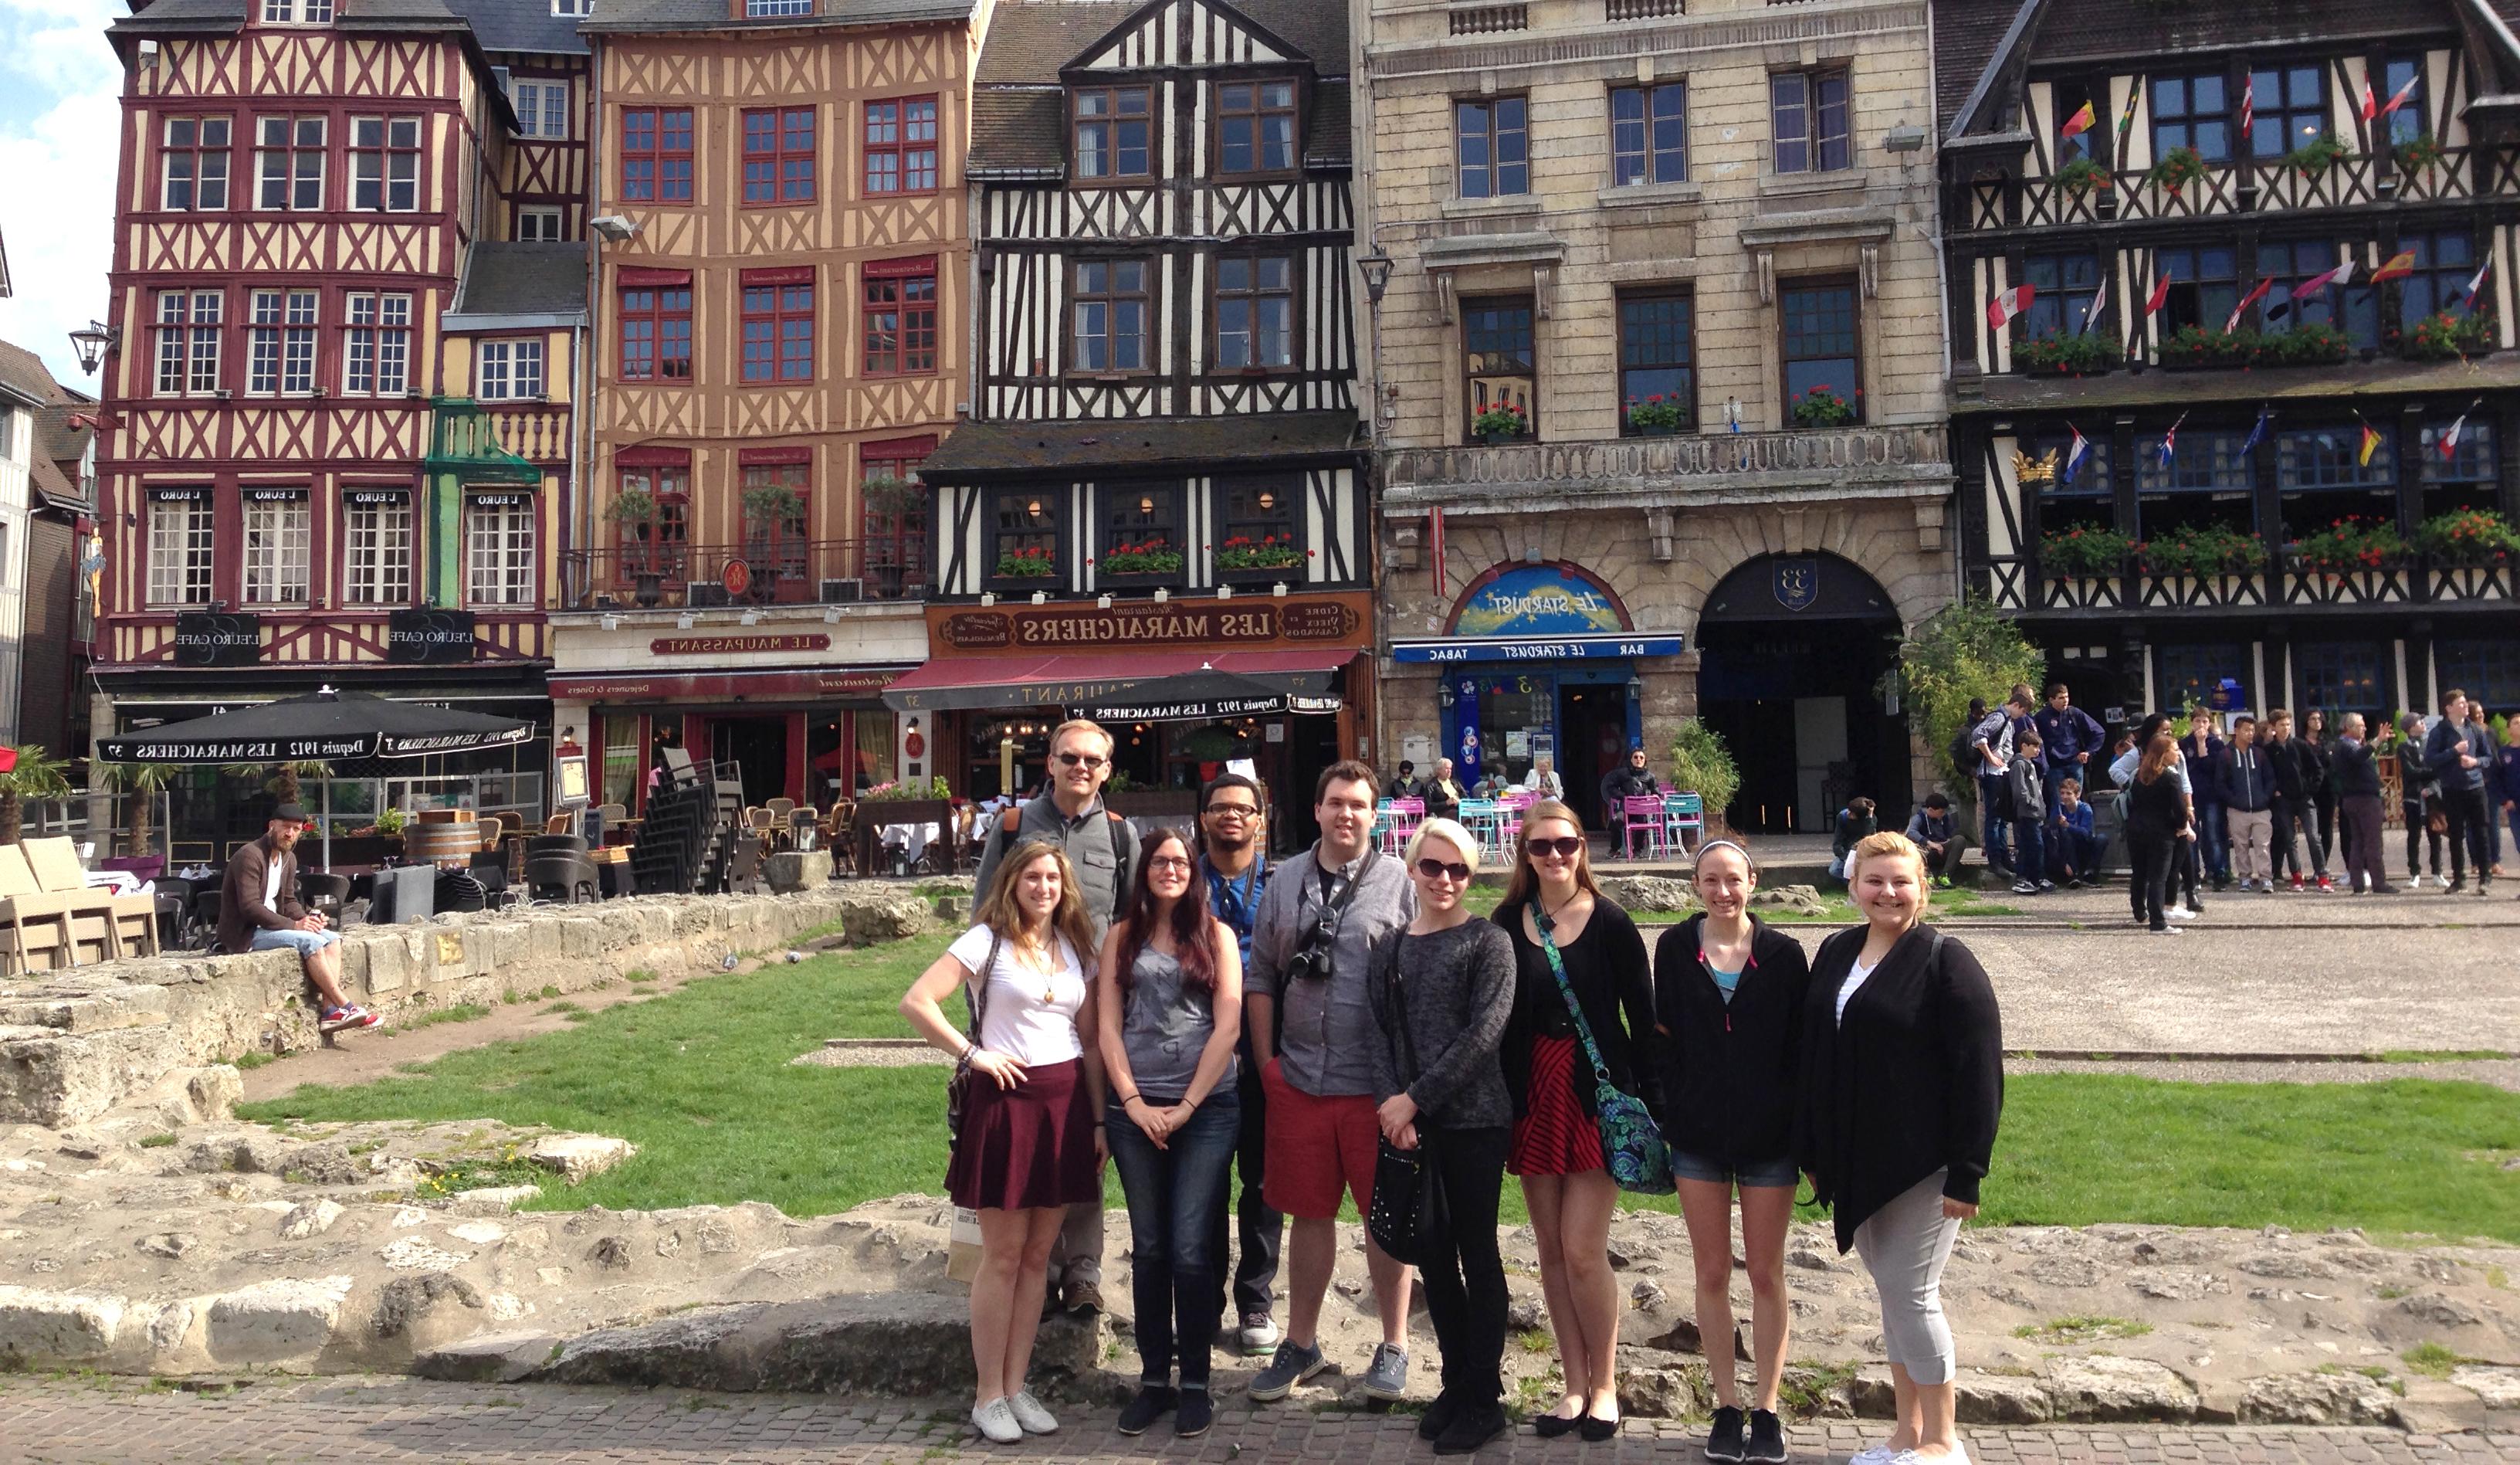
1311,957
1103,850
1233,861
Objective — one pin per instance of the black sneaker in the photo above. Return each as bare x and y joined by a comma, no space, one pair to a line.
1474,1426
1723,1442
1439,1416
1196,1412
1766,1436
1153,1402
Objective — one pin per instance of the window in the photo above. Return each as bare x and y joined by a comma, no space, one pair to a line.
900,146
2193,111
2089,500
275,546
1143,517
2354,309
2487,668
2467,477
2191,675
511,371
1655,363
385,163
2331,457
767,10
1648,134
1820,341
2202,287
1497,355
2336,678
2066,287
1111,133
661,545
1808,111
288,162
297,12
657,333
2067,101
1108,316
1259,509
1255,127
376,359
779,325
576,8
377,530
188,341
774,535
893,520
283,342
2289,108
538,225
1255,311
1024,524
2443,265
542,108
1491,147
656,155
179,547
499,549
779,155
2199,461
900,320
193,164
2407,123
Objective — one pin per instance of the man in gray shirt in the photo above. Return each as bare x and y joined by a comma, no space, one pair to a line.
1311,963
1103,850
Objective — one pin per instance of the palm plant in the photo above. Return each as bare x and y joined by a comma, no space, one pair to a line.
142,783
283,782
38,775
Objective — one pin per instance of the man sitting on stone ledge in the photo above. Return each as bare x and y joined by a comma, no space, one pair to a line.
259,911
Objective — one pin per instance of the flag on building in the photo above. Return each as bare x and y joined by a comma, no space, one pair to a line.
2169,442
2160,294
2074,458
2370,108
2343,274
2401,96
2126,120
2370,445
2009,303
2247,301
2248,108
2448,443
2091,311
2398,267
2477,284
2077,124
2257,432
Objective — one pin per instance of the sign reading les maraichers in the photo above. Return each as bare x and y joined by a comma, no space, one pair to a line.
1255,623
684,646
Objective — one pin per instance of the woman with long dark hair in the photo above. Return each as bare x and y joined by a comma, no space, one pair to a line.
2318,776
1551,900
1170,995
1028,1147
2158,818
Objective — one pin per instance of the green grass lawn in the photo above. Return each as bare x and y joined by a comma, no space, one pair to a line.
700,1081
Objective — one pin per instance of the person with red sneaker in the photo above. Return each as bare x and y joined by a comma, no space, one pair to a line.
259,911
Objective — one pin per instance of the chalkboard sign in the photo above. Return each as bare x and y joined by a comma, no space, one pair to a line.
217,638
429,636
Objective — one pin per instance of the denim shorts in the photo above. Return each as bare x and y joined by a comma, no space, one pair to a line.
1771,1173
303,942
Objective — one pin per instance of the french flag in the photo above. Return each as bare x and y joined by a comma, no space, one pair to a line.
2075,458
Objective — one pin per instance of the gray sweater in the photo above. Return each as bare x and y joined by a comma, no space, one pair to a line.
1091,840
1458,986
1329,1038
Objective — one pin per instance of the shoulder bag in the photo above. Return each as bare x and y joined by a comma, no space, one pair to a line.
1408,1210
1632,1144
958,1089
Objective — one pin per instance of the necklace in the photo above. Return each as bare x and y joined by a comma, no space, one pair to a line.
1571,897
1041,960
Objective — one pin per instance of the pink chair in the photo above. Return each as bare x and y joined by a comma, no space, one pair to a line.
1643,818
1400,820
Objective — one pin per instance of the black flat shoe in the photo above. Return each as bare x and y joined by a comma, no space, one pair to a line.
1767,1438
1439,1416
1596,1428
1551,1426
1195,1413
1153,1402
1475,1426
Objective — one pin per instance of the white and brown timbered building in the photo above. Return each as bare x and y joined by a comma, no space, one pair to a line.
2268,255
304,188
545,66
1164,414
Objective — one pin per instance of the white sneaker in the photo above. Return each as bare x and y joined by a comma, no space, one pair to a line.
2178,913
996,1422
2414,882
1031,1416
1873,1455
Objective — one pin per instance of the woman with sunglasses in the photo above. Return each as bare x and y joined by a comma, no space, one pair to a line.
1728,992
1551,900
1442,1091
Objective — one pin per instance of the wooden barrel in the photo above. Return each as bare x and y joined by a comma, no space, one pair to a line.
443,843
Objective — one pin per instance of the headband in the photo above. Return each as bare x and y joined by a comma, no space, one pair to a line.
1735,845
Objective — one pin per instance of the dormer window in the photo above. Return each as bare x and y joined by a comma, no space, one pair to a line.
1113,128
772,10
573,8
297,12
1255,127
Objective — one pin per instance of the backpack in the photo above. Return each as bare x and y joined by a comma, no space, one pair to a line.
1963,753
1118,828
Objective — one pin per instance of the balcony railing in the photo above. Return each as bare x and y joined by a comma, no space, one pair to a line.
1697,461
536,432
2255,186
680,577
2408,580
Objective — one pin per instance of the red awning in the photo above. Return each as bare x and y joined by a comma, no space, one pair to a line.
1081,679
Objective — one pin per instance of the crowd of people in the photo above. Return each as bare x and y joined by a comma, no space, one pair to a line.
1340,1023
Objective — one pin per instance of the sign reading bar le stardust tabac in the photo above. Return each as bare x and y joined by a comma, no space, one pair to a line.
1249,622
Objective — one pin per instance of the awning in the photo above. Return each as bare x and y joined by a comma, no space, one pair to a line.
791,684
334,727
1122,684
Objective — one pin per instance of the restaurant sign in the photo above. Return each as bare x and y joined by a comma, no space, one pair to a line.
1253,621
685,646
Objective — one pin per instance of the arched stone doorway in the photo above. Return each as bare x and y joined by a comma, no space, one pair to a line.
1792,652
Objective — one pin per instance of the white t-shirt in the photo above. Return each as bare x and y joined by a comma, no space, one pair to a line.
1845,989
271,886
1018,1023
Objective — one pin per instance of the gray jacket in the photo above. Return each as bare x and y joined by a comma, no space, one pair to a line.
1327,1039
1458,986
1101,881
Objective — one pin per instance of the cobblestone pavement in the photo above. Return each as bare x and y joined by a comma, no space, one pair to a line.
77,1420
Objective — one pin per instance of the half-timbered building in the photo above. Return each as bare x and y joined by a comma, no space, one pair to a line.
2232,305
1164,445
780,221
303,186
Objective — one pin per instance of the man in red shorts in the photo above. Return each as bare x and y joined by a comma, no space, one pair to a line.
1304,1002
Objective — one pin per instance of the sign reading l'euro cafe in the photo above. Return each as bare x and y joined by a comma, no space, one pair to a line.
1245,622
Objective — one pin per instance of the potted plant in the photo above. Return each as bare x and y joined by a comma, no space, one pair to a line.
2312,342
2468,537
37,774
1031,563
2444,337
1502,422
1243,555
883,493
2349,544
2178,168
2086,355
1656,416
1147,560
2315,157
2084,551
2199,551
2083,174
633,513
779,568
2420,153
1822,407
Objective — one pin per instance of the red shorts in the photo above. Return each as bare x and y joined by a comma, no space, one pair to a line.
1318,1147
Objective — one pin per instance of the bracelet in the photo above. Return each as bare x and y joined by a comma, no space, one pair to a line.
1128,1099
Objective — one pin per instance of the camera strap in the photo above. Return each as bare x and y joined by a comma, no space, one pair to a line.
1333,913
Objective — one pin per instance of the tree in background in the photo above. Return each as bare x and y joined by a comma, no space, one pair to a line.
1966,649
1701,764
37,775
140,784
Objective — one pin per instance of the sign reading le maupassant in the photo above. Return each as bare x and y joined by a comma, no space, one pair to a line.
1257,622
684,646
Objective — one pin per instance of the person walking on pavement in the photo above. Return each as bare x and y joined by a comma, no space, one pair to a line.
2068,736
1234,865
1551,901
2297,770
2248,796
2418,801
2157,817
1630,780
1101,851
2358,786
1312,961
1728,1005
1902,1074
1442,996
2456,752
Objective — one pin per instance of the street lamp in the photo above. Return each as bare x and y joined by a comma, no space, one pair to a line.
1376,268
93,342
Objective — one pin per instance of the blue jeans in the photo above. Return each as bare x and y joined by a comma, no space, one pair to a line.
304,943
1176,1205
1993,793
2214,842
2029,861
2077,854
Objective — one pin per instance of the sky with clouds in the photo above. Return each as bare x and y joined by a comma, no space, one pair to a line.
59,84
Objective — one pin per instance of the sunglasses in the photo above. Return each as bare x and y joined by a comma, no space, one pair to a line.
1564,846
1436,869
1082,761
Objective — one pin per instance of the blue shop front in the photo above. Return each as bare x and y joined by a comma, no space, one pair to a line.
1539,662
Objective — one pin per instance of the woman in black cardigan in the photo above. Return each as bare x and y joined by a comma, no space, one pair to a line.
1903,1084
1728,993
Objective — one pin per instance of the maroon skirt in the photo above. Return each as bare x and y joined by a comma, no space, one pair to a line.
1555,1135
1028,1147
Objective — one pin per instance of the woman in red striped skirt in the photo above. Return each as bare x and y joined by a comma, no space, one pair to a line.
1556,1146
